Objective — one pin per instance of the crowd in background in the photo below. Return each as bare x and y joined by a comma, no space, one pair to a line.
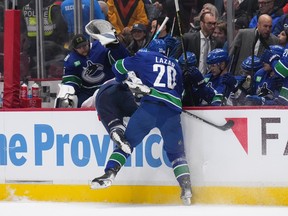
203,29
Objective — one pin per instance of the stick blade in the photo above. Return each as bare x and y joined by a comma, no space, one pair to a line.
229,124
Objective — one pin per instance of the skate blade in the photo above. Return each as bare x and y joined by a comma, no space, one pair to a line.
100,184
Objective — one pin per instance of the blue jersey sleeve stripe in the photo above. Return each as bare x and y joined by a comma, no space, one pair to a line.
72,80
281,69
284,93
119,66
166,97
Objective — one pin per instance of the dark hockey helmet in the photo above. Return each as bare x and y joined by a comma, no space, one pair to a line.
191,59
217,56
157,45
276,49
247,64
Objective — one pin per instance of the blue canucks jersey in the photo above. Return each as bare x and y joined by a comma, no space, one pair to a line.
262,84
220,90
162,74
281,69
87,73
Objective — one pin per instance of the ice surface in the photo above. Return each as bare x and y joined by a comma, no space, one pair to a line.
31,208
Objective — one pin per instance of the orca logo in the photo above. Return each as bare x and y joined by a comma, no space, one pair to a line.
93,73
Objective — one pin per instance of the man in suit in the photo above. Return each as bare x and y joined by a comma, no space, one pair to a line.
250,42
201,42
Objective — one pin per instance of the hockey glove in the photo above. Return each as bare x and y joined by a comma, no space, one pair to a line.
139,90
193,76
230,81
254,100
269,57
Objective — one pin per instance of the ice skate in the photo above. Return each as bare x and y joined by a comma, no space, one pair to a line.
104,181
186,191
118,137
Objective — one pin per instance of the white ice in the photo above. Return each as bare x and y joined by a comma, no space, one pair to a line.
30,208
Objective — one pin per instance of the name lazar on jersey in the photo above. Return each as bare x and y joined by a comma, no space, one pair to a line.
164,61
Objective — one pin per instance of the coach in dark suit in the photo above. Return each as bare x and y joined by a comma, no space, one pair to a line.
249,42
201,42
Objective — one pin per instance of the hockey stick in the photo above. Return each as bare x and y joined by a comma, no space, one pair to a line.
180,29
161,27
229,124
145,90
156,33
171,34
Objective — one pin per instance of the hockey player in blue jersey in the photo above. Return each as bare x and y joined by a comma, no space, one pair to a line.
248,66
195,89
266,84
161,108
218,78
87,66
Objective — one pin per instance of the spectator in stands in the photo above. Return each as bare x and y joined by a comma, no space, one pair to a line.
250,42
239,14
267,7
67,9
249,6
195,26
139,34
55,33
219,78
167,8
201,42
125,13
153,10
220,34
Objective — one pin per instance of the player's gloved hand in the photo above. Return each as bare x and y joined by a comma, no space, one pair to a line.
230,81
170,42
138,89
193,76
276,83
269,57
253,100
